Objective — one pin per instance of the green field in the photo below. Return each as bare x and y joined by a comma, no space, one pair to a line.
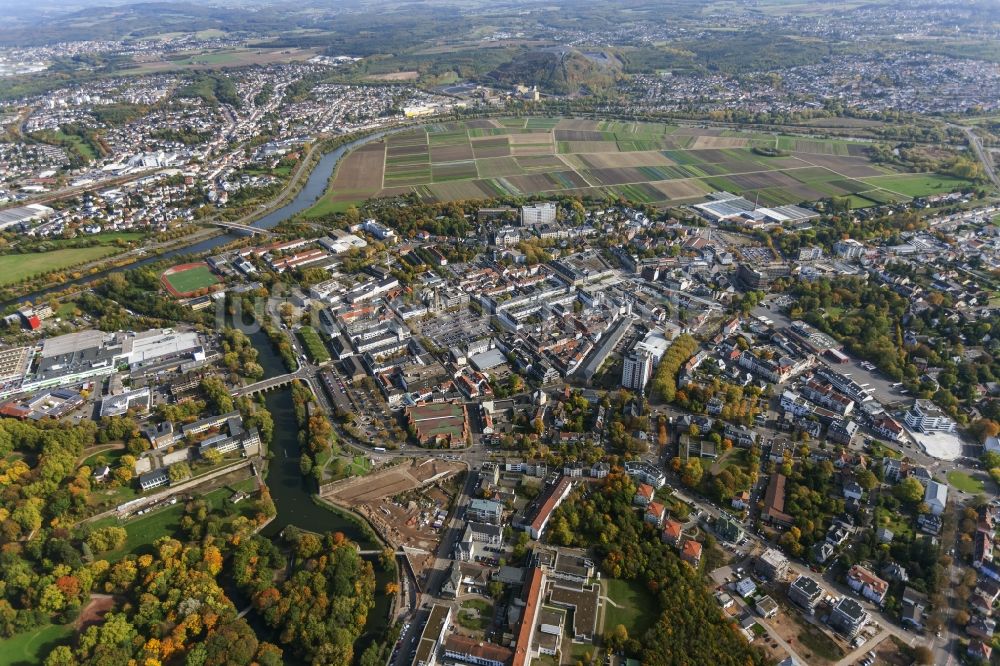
964,482
314,345
918,185
192,279
634,607
32,646
144,530
651,163
475,614
17,267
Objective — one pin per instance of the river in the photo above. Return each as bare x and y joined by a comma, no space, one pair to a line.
293,495
291,492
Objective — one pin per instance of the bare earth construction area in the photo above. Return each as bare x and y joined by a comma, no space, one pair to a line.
644,162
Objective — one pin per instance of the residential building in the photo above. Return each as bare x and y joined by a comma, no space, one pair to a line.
655,514
842,431
154,479
746,587
771,564
806,593
867,584
766,606
645,473
432,636
848,617
673,532
637,369
537,513
774,502
728,528
470,651
925,416
643,495
691,552
848,248
914,605
486,511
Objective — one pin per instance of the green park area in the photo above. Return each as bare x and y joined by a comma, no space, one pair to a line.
965,483
918,185
31,647
17,267
314,345
143,530
475,614
628,605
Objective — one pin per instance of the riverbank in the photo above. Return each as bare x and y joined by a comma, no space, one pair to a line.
274,213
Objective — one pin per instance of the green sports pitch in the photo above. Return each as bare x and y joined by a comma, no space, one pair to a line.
188,279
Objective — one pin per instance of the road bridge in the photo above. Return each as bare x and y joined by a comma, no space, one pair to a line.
236,226
266,385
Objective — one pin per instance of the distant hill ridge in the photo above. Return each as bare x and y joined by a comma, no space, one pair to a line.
558,72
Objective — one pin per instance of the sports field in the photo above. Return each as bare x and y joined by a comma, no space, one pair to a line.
645,162
188,279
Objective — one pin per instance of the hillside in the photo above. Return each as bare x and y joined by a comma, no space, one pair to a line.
556,73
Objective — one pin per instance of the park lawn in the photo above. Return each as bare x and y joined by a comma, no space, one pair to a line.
17,267
83,146
964,482
919,184
143,531
898,523
635,609
469,618
66,309
110,457
101,239
31,647
360,466
314,345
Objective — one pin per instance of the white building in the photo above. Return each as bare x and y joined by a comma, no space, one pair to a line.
936,497
848,248
540,213
637,369
925,416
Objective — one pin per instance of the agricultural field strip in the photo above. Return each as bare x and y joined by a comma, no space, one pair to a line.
582,173
385,163
404,169
832,170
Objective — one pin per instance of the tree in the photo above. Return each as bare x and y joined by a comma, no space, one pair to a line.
866,479
178,472
691,476
212,456
618,638
909,490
